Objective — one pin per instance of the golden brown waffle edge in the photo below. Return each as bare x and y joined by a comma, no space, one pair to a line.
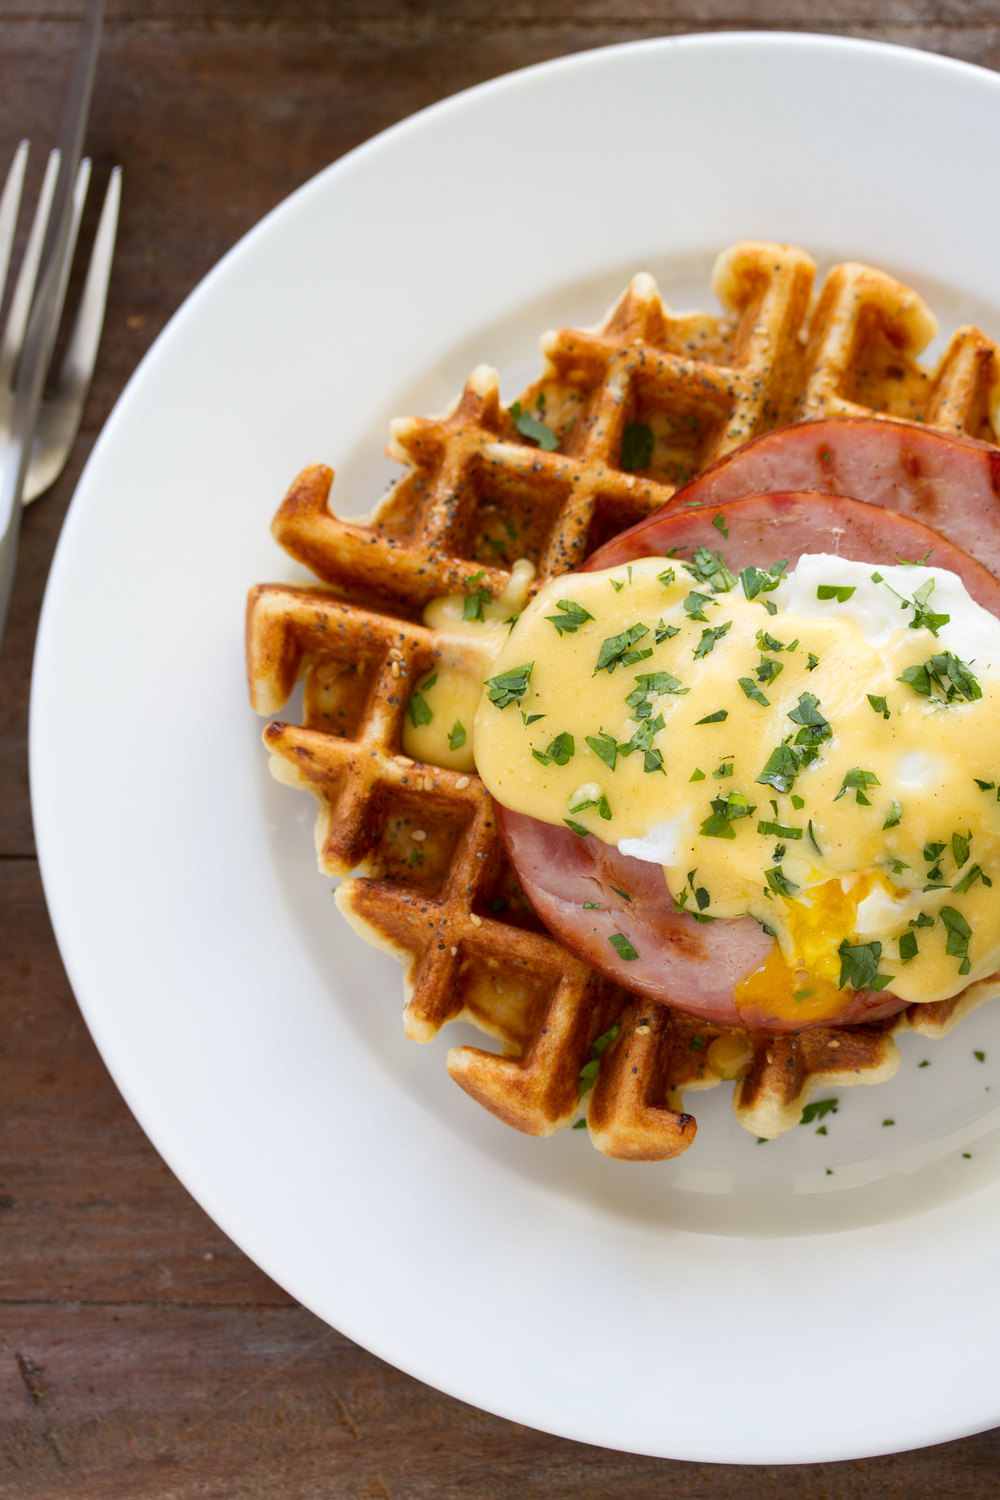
426,878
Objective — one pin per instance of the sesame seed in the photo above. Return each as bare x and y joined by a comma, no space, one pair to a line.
462,783
418,835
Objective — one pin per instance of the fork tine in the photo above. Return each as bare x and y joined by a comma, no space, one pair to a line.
9,205
59,419
24,290
81,351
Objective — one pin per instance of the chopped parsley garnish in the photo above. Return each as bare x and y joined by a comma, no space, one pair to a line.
767,669
605,747
621,944
708,567
624,894
456,738
960,848
419,709
767,642
840,592
959,932
943,675
694,605
637,446
907,946
510,686
818,1109
591,906
753,692
697,775
755,582
561,750
778,830
719,522
600,802
577,828
812,662
815,728
859,966
665,632
894,814
643,740
472,605
531,428
857,781
666,577
783,765
923,615
787,760
709,638
572,617
590,1069
617,650
725,812
968,880
779,882
648,683
719,717
879,705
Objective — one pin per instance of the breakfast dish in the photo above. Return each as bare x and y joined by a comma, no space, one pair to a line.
496,504
262,1052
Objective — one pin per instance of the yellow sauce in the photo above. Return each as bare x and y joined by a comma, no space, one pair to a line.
669,737
439,727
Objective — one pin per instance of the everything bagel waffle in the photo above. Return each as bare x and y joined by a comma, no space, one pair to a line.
549,479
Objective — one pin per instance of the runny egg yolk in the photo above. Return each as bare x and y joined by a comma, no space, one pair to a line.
805,981
819,751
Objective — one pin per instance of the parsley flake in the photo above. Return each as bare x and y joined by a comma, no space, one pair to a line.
561,750
617,650
531,428
572,617
709,638
510,686
857,781
637,446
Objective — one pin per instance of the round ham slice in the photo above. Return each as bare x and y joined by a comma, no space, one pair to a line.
682,962
948,483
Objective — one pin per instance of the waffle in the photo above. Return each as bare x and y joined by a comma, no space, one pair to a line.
427,877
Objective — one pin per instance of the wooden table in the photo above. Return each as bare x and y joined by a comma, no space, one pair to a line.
142,1355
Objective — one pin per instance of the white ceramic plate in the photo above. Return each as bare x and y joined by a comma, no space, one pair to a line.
743,1304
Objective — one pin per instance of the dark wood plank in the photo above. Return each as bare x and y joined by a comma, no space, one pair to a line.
127,1403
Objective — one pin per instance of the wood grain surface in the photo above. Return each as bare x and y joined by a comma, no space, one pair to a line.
142,1357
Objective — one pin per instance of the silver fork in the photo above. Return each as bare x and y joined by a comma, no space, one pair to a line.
58,418
39,307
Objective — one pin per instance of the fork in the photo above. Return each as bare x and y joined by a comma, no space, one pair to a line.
37,304
59,415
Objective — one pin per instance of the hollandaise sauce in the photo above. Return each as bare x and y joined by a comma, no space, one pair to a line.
819,750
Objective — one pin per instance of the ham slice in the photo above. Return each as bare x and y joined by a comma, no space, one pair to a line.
898,478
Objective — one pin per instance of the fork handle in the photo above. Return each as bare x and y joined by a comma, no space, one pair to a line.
10,519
